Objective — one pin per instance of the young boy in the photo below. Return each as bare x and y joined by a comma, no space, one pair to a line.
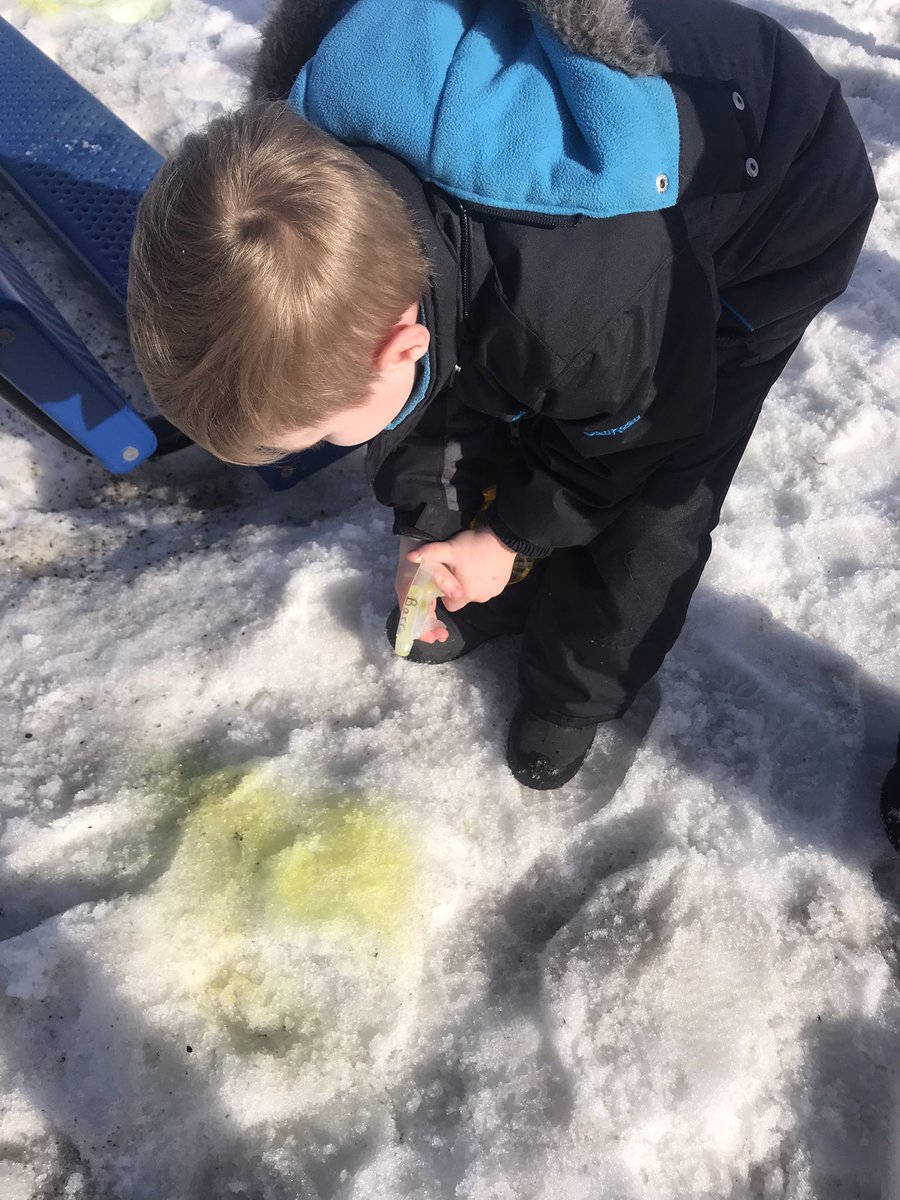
558,248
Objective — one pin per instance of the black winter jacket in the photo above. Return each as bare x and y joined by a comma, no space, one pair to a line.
571,356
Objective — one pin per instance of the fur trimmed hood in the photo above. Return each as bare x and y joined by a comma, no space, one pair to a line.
487,102
606,30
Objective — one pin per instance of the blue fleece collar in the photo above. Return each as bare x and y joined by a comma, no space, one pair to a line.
478,97
420,390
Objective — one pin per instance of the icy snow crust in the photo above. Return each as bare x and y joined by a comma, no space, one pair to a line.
277,922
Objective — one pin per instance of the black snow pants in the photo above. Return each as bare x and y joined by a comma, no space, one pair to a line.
598,620
605,615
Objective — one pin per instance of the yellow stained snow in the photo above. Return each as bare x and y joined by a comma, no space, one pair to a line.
124,12
285,909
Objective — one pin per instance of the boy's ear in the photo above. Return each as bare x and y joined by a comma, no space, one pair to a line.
406,343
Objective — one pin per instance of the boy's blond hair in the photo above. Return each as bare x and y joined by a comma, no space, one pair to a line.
268,264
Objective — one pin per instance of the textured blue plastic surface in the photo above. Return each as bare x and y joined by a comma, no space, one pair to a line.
81,172
47,362
70,161
283,475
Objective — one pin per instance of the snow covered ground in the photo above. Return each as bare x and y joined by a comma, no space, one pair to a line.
276,921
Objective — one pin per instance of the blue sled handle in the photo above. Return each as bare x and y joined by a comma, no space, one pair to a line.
71,162
284,474
43,357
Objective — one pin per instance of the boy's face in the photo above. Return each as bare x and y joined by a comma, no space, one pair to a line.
395,367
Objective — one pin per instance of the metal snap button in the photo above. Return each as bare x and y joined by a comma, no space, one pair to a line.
752,167
738,101
662,183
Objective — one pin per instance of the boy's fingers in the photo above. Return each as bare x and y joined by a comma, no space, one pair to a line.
439,557
434,552
454,603
434,635
447,584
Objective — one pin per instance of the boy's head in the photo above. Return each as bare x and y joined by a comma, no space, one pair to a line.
274,288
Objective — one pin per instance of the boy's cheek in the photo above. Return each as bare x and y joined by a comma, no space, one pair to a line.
355,430
354,438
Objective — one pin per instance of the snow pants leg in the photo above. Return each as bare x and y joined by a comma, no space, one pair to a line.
604,616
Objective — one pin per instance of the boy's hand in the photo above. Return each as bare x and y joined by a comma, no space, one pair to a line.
471,567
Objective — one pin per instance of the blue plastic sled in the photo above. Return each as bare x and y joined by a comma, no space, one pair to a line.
81,172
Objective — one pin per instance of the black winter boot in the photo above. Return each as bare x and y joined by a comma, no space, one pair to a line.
890,803
542,755
464,636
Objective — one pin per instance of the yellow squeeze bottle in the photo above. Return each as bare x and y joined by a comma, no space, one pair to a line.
414,614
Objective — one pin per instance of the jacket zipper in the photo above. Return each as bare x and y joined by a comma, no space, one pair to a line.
541,220
465,252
